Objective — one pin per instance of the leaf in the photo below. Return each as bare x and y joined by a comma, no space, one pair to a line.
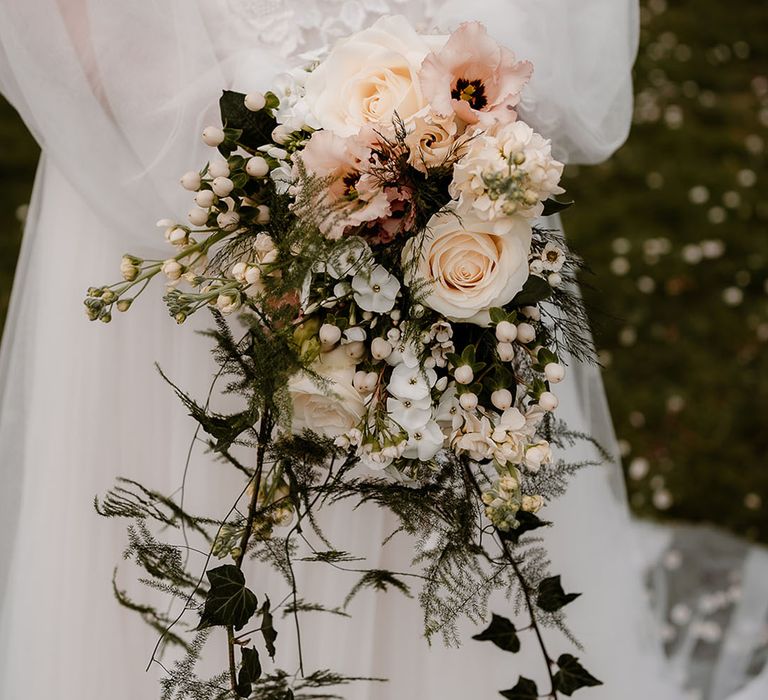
551,595
256,127
250,671
228,602
552,206
534,290
267,629
502,633
524,690
572,675
528,522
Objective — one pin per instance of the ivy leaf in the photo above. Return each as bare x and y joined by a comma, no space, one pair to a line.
502,633
228,602
572,675
250,671
524,690
552,206
534,290
267,630
551,595
256,127
528,522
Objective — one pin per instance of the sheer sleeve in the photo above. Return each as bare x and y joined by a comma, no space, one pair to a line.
116,94
580,95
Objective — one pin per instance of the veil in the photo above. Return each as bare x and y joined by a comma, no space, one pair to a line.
116,94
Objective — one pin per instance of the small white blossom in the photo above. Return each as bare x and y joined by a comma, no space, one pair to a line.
425,442
376,290
411,383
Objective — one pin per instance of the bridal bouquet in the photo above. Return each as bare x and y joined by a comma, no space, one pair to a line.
393,319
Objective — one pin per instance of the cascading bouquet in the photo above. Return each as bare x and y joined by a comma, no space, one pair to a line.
400,319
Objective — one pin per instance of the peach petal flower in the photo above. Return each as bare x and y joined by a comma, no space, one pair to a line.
475,78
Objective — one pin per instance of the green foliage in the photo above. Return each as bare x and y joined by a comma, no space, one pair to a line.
229,601
551,596
502,632
267,628
571,675
249,673
251,129
525,689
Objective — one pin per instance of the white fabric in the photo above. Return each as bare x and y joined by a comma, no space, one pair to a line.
117,93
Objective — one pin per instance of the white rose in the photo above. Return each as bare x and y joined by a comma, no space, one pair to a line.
470,265
368,77
332,409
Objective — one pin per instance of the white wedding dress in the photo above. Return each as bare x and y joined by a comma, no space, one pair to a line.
117,93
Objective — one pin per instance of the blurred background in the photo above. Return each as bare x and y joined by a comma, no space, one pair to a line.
674,228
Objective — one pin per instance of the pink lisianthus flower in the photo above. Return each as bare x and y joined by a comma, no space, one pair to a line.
401,217
352,198
475,78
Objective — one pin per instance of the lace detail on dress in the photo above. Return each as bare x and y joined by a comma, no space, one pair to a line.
294,27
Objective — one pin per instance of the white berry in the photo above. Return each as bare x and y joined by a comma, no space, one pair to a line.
381,348
190,181
255,101
554,372
257,167
213,136
531,312
554,280
506,332
222,186
468,401
204,198
280,134
218,168
502,399
329,335
506,352
197,216
548,401
526,333
464,374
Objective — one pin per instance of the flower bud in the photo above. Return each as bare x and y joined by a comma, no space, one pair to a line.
281,134
257,167
464,374
228,220
532,504
177,236
124,304
506,332
253,275
172,269
213,136
191,181
555,280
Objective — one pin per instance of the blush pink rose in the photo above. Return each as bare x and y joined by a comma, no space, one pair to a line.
475,78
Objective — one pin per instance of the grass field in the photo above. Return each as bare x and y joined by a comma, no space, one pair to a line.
675,230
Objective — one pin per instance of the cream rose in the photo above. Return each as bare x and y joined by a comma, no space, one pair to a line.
431,140
329,409
369,76
470,265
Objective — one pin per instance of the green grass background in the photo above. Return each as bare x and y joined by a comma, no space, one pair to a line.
675,228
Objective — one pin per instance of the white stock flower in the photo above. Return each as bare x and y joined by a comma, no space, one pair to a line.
506,171
411,383
473,438
424,442
375,290
333,408
470,265
369,77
